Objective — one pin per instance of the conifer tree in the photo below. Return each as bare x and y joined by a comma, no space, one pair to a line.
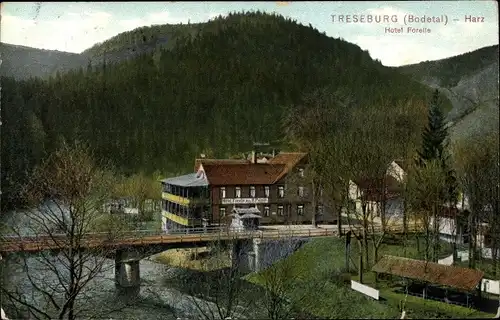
434,144
434,135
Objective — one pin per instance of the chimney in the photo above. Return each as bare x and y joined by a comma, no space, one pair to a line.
253,157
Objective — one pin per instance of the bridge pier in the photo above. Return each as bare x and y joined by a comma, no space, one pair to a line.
256,254
127,269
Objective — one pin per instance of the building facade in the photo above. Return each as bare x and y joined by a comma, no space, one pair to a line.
185,202
278,188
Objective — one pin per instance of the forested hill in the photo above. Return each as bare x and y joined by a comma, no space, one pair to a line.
448,72
215,93
23,62
470,81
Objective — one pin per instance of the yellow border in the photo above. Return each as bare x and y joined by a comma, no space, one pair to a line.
176,218
173,198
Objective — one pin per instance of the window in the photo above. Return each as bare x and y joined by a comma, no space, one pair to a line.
252,192
237,192
320,209
300,210
301,172
281,192
222,212
280,210
266,191
320,192
301,191
266,211
222,192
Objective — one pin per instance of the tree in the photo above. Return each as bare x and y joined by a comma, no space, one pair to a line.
434,135
64,197
314,126
476,160
434,148
424,195
216,290
284,288
139,188
372,149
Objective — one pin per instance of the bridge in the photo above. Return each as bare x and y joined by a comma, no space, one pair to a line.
128,248
33,244
249,249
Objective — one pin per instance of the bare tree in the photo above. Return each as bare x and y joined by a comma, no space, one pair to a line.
425,189
284,288
372,152
313,127
216,290
65,197
477,161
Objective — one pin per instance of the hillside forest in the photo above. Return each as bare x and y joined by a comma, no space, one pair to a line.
215,92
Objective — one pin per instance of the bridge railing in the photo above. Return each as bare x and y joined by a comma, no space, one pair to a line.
198,234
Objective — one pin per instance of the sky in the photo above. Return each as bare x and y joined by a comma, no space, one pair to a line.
76,26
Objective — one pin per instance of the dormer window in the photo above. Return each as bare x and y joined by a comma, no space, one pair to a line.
237,192
301,172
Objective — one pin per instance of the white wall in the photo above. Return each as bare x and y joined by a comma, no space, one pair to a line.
396,171
490,286
3,316
446,225
354,191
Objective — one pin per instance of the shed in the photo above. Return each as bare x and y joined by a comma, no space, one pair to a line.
463,279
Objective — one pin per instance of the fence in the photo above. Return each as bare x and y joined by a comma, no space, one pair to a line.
448,261
366,290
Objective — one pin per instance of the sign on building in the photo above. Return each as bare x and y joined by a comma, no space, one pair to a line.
245,200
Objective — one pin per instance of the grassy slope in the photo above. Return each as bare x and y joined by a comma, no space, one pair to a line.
323,257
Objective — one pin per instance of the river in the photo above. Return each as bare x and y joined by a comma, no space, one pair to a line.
155,299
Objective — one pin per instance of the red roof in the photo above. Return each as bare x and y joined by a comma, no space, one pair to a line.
460,278
289,159
242,174
451,212
197,162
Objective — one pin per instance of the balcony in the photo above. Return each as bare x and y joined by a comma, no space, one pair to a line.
181,220
183,201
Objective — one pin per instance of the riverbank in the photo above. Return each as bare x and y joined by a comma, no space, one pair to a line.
201,259
318,269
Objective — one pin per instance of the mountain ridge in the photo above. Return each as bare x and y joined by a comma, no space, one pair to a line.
470,82
215,93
